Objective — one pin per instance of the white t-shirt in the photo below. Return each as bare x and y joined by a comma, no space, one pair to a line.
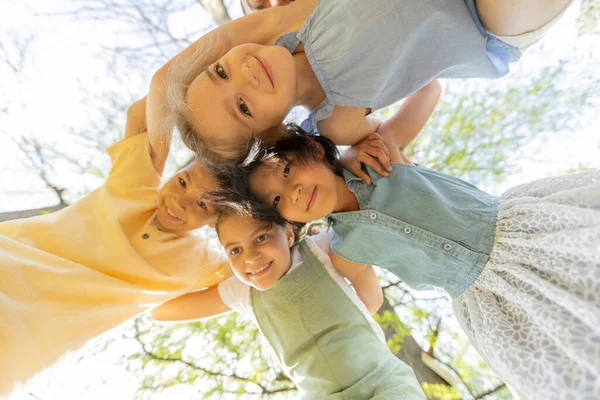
236,295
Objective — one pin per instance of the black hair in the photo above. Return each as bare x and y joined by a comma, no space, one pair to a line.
230,203
235,194
229,200
296,141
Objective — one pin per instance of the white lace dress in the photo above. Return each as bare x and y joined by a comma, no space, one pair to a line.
534,313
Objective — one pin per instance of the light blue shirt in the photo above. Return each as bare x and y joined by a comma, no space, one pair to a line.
424,226
373,54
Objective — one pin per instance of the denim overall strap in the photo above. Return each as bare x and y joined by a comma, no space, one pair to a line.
323,340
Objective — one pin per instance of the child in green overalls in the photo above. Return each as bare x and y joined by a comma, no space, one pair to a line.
322,334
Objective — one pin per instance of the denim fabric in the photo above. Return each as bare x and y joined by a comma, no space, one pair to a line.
426,227
373,54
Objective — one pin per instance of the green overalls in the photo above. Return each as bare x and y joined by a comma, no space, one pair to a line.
324,342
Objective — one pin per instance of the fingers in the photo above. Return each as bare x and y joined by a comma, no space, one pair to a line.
356,170
374,163
381,156
377,148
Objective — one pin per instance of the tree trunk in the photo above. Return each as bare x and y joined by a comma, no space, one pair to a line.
217,10
7,216
410,352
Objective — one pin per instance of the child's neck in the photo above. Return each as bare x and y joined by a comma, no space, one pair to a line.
167,230
346,200
309,92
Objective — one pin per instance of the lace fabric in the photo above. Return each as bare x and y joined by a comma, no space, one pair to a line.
534,312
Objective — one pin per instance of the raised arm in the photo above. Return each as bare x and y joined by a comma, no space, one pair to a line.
349,126
410,119
191,306
363,279
136,118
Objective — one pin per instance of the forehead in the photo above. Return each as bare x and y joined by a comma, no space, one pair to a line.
198,173
199,178
236,227
264,176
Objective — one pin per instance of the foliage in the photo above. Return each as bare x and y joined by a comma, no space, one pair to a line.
476,133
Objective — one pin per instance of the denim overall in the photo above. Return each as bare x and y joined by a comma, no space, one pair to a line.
324,342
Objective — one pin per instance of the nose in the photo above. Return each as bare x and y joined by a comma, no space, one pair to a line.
277,3
248,75
294,192
252,256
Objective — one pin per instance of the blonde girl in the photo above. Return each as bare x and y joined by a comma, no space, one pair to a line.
341,60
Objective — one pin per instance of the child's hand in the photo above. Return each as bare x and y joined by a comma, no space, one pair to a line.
372,152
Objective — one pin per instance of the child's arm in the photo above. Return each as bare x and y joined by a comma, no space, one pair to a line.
363,279
136,118
191,306
410,119
371,151
349,125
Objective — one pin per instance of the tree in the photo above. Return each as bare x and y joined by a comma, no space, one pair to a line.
471,135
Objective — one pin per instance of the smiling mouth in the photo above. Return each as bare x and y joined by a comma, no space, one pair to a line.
265,268
311,199
266,71
173,216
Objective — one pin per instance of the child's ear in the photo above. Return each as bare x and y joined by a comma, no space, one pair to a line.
289,233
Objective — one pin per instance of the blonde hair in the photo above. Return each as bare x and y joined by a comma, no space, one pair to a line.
179,77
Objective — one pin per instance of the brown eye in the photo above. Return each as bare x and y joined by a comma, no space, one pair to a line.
182,183
276,201
219,70
286,171
244,108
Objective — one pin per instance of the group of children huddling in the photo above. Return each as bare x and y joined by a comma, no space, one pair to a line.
523,270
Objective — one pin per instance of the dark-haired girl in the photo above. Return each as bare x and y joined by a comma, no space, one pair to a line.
523,269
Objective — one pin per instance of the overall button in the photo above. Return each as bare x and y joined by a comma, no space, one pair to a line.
447,247
407,230
145,236
373,216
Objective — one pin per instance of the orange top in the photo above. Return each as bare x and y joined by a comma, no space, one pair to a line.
72,275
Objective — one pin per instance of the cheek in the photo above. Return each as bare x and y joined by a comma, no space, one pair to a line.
236,266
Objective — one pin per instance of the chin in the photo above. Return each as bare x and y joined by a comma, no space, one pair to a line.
261,286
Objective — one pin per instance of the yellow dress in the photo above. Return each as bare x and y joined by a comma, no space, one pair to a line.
72,275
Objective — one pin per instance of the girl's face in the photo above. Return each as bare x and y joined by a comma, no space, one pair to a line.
181,202
247,91
300,193
259,252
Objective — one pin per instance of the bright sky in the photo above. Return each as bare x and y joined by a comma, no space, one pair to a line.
49,97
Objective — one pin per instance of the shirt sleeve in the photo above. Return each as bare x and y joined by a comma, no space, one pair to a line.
236,295
214,268
132,166
323,239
